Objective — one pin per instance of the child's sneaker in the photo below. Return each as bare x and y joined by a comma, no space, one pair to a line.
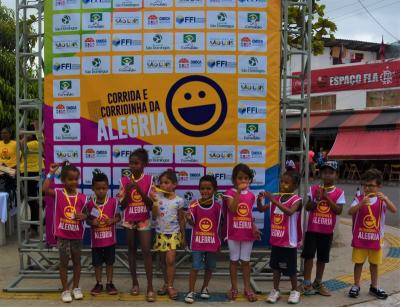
66,296
354,291
77,293
294,297
110,288
273,296
379,293
306,289
189,298
205,293
321,289
97,289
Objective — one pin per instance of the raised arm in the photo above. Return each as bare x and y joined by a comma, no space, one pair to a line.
49,178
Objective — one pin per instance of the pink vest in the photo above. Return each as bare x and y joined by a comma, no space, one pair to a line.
322,219
65,226
239,224
285,229
367,225
205,232
103,235
136,211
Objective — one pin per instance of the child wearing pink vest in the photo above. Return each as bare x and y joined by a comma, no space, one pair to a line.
325,202
240,228
69,216
368,212
286,233
136,205
204,215
102,216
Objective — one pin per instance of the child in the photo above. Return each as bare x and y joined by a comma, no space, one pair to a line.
136,205
285,213
324,203
69,215
103,217
170,228
204,215
368,212
241,231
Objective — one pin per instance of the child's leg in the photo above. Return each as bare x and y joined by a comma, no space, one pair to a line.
164,267
293,281
170,266
320,271
276,279
132,249
233,272
109,273
76,261
357,273
373,268
145,244
192,279
109,258
308,266
234,254
207,278
245,254
63,266
308,254
98,270
246,275
210,266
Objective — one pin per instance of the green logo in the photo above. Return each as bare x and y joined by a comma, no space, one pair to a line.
253,61
251,128
127,60
96,17
96,62
65,85
222,16
189,38
157,38
157,150
253,17
189,151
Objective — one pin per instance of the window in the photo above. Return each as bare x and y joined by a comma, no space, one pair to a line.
357,57
323,103
383,98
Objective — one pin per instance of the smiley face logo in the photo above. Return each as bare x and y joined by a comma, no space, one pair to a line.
369,221
205,224
69,212
136,197
196,106
242,209
278,219
323,207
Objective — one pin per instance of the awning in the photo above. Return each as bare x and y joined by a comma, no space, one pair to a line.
373,145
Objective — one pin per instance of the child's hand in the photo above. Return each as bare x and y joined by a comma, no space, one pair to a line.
261,195
269,195
109,221
95,222
365,201
242,186
320,193
257,233
382,196
53,168
131,186
153,195
188,216
80,216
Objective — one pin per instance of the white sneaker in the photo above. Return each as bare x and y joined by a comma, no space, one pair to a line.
189,298
205,293
66,296
294,297
77,293
273,296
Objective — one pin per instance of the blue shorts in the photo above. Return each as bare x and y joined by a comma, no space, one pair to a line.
204,260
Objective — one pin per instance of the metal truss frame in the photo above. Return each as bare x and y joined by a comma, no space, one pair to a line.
36,259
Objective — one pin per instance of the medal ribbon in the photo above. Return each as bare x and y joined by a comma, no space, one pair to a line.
69,201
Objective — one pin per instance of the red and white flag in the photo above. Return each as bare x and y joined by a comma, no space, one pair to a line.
382,51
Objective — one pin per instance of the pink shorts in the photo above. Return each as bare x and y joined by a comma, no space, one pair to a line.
139,226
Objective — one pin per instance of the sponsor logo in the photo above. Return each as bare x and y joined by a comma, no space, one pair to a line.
66,88
66,4
221,20
126,42
159,154
158,20
189,19
96,21
252,42
126,21
66,66
66,43
189,3
96,4
189,154
71,153
189,63
127,3
126,64
252,64
253,20
189,175
158,41
221,41
254,109
253,3
251,132
87,174
67,132
96,65
158,64
251,154
66,110
220,154
66,22
157,3
95,42
121,153
96,154
189,41
221,3
221,64
252,87
222,174
258,176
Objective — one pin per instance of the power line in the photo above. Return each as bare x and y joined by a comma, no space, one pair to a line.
373,17
356,12
351,4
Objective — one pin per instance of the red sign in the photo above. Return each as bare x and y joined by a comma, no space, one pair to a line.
352,77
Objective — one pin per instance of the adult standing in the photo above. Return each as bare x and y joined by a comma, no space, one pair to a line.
311,162
8,158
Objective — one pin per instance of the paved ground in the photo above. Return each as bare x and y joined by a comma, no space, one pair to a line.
338,278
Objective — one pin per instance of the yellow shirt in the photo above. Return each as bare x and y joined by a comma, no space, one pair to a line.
32,159
8,153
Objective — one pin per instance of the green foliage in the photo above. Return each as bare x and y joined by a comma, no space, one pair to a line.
322,27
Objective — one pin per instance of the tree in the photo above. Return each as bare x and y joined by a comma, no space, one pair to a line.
322,27
7,65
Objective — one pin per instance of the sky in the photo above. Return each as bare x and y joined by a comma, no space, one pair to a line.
352,20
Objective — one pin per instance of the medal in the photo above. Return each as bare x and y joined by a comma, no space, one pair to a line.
69,211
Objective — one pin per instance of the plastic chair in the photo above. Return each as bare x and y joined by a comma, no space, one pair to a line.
353,172
394,171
